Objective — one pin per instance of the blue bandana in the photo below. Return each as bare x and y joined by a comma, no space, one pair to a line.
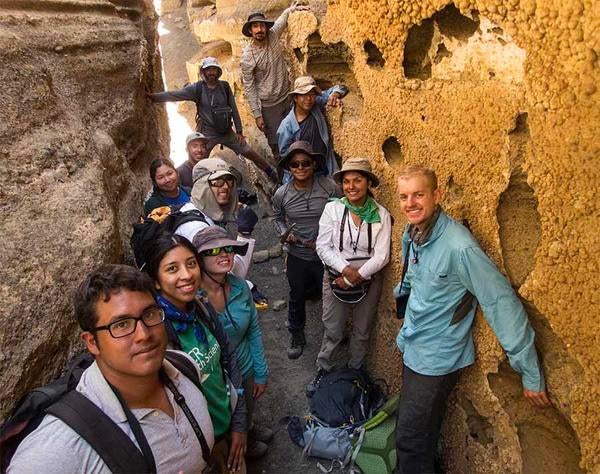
183,320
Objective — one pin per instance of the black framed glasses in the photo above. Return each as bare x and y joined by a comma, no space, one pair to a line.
126,326
216,251
219,182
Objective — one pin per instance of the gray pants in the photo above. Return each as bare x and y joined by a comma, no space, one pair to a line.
335,317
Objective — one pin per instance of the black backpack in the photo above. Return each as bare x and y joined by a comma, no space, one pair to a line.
145,232
346,397
60,399
222,115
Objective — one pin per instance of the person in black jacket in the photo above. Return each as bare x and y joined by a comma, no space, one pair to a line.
166,189
215,110
193,327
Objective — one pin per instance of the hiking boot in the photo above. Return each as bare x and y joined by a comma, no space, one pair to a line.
256,449
297,344
311,388
261,433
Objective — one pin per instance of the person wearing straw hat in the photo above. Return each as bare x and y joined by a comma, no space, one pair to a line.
354,245
265,74
297,206
306,121
215,111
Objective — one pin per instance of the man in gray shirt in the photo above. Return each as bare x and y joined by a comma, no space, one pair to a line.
215,110
123,329
297,207
265,73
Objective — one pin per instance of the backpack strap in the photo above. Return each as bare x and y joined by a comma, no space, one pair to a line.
111,443
198,101
342,225
370,237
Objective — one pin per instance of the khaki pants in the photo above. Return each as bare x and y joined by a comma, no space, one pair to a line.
335,317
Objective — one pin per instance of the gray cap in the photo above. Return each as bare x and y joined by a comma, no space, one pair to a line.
195,136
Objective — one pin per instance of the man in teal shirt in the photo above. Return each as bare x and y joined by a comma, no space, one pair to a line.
447,275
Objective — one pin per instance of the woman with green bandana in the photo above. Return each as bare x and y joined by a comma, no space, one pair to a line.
354,245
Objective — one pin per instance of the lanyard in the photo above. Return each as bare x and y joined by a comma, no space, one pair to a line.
353,244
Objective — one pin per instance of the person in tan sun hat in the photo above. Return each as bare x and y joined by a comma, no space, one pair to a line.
354,245
306,121
265,72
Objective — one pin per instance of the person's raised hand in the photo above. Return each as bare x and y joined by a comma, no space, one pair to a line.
335,100
260,123
537,399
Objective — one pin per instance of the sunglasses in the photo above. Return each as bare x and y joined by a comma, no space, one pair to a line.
217,251
219,182
301,164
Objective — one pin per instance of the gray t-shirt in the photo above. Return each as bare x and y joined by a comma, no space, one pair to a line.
55,448
303,208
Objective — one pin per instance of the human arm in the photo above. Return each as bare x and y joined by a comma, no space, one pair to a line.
242,263
279,220
333,94
287,133
255,340
250,87
381,247
327,240
187,93
505,314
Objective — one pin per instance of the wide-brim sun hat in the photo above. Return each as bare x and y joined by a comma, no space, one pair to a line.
304,85
256,17
362,165
306,148
214,237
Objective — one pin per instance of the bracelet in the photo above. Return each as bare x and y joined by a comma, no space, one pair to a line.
346,281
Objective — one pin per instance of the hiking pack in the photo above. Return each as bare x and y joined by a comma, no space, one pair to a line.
222,114
60,399
343,403
146,231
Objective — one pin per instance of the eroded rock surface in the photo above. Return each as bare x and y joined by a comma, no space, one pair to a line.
76,136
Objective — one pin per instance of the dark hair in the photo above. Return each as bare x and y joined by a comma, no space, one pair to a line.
157,163
103,282
156,250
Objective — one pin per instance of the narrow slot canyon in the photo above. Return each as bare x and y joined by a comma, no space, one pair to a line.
499,97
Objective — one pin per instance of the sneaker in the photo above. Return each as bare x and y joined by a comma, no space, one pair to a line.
297,344
261,433
256,449
311,388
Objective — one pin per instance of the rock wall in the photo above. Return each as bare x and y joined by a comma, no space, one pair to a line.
76,137
501,98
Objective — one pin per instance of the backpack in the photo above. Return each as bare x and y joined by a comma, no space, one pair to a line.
221,114
343,401
374,443
146,231
60,399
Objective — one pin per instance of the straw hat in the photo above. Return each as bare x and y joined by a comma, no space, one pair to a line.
362,165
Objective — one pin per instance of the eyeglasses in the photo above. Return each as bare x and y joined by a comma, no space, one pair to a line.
126,326
301,164
219,182
217,251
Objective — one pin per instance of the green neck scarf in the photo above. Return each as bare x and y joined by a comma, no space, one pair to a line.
368,212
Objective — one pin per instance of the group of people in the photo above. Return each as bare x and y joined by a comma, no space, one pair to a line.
189,292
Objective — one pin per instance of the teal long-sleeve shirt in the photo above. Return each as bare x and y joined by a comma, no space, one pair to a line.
240,322
433,338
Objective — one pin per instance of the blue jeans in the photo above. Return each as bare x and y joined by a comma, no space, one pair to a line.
420,413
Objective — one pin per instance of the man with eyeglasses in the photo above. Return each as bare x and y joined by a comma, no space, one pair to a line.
306,121
297,207
129,381
215,194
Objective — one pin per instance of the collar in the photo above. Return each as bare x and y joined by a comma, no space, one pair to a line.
95,387
433,228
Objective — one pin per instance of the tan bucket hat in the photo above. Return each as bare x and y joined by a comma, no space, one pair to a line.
305,84
362,165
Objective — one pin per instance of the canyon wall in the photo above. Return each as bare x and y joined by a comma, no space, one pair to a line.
501,98
76,136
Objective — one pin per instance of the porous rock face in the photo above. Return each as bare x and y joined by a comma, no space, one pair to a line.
75,138
501,98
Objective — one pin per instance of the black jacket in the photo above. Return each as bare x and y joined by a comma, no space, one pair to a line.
156,199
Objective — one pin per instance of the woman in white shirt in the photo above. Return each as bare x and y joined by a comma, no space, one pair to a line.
354,245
